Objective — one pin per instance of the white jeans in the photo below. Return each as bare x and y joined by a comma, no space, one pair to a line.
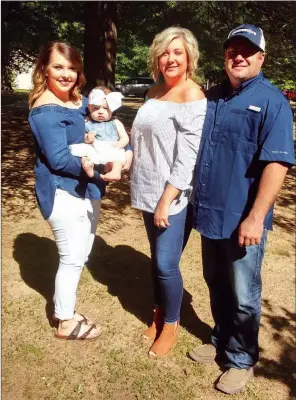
73,222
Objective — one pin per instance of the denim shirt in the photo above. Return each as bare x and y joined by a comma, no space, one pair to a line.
244,129
105,130
54,128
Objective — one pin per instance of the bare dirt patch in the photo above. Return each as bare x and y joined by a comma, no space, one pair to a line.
115,290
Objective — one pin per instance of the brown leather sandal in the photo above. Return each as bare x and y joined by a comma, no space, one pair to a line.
85,336
84,318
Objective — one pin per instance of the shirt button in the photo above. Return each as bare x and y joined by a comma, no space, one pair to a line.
218,123
212,143
207,164
203,184
200,204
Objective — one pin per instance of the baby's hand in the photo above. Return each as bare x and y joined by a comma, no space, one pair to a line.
89,137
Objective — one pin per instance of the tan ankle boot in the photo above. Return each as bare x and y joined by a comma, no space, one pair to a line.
155,328
166,341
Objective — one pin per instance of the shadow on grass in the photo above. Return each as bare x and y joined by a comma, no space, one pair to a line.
11,98
126,273
124,270
18,156
38,260
284,333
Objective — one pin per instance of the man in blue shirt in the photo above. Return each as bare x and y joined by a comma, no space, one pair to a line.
247,150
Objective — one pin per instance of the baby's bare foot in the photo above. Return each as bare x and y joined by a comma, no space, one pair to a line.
88,166
111,176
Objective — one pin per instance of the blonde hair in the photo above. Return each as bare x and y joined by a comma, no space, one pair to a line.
42,61
162,41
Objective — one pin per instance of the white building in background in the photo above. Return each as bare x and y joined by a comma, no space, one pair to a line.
24,80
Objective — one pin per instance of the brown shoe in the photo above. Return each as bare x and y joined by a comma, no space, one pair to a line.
204,354
155,329
166,341
234,380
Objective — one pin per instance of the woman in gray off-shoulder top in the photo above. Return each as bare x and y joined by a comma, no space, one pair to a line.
165,137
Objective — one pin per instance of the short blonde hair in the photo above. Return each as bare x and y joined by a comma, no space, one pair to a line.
162,41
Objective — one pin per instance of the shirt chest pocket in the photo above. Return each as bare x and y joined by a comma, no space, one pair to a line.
242,130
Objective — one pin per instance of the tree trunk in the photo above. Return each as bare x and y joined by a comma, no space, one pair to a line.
6,76
5,82
100,43
8,9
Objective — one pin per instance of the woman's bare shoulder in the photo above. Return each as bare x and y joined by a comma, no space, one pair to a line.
155,91
192,92
45,98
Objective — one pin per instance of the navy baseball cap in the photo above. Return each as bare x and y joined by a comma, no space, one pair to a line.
252,33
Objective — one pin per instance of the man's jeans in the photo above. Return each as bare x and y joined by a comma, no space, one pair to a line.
166,245
233,275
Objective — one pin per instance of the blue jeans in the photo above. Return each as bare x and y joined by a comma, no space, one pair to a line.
233,275
166,245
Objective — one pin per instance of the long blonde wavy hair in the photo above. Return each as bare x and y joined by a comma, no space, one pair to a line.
42,61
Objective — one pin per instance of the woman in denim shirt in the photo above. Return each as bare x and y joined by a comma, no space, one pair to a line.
68,199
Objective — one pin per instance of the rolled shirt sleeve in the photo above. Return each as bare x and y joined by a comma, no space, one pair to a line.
189,133
276,139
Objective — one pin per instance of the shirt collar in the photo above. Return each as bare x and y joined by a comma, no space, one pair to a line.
245,85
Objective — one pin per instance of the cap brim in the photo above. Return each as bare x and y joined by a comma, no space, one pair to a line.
227,42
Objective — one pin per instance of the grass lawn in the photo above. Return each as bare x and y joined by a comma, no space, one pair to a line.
11,98
115,290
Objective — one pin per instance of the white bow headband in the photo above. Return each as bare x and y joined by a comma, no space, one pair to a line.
113,99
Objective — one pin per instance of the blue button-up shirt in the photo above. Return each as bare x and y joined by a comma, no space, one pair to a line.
243,130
